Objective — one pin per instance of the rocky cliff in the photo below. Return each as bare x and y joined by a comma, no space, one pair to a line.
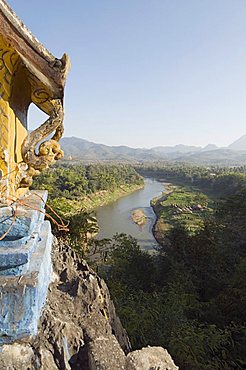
79,328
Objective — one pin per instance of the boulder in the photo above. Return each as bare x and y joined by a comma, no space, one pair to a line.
150,358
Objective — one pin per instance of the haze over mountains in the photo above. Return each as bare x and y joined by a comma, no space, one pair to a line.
234,154
239,144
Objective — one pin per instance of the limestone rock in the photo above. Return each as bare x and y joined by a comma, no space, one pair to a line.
150,358
79,329
16,356
105,353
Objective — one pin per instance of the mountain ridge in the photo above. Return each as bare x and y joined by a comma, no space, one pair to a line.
78,148
239,144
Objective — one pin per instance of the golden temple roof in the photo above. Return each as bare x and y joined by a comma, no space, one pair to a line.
38,60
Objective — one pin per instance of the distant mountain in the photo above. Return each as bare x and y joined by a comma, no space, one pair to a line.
87,150
180,148
239,144
76,148
210,147
176,149
222,157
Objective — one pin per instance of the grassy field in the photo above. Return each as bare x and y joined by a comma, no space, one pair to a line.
181,205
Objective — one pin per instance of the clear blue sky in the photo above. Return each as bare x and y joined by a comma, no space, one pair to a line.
148,72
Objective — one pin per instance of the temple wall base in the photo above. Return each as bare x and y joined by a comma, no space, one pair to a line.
25,273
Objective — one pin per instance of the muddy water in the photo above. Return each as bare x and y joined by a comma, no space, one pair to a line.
116,216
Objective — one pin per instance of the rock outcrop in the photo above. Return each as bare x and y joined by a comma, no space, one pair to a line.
79,328
150,358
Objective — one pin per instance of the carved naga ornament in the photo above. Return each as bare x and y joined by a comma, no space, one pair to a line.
29,73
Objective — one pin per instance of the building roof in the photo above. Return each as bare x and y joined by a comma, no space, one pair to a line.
38,60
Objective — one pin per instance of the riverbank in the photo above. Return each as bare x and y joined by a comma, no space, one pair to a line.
104,197
160,226
90,202
183,205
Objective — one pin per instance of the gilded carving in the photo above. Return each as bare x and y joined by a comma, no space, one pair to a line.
8,122
49,150
28,73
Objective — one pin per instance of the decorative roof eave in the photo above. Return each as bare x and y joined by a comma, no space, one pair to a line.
48,69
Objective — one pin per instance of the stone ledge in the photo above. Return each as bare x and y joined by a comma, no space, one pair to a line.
22,297
15,261
28,217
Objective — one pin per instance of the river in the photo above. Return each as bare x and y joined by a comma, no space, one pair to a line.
116,216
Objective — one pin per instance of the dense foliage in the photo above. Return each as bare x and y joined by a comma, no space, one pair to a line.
73,188
190,297
73,181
